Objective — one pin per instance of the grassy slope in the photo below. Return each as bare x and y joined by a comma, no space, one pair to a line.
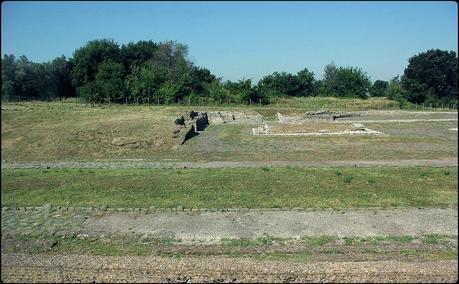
225,188
40,133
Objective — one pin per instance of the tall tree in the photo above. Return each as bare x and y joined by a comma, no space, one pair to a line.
351,82
379,88
87,59
306,80
431,76
110,81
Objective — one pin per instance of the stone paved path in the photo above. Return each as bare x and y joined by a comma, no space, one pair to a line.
213,226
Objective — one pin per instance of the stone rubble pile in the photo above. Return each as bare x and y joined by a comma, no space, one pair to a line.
221,117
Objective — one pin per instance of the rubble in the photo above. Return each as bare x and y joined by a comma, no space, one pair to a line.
221,117
323,115
354,129
189,127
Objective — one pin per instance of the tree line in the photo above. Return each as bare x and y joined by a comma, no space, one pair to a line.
102,71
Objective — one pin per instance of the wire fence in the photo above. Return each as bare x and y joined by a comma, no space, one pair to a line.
322,103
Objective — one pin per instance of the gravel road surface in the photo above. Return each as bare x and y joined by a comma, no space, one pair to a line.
209,226
84,268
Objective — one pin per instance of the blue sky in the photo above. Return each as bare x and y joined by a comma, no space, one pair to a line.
238,40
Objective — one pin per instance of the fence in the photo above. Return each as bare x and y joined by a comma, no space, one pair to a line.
322,103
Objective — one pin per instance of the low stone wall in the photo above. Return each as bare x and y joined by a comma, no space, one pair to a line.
221,117
152,209
189,128
200,121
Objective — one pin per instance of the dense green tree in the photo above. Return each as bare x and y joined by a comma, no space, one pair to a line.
144,82
86,60
60,69
329,83
306,80
379,88
395,90
351,82
279,84
110,82
102,71
241,91
23,79
10,89
136,54
431,76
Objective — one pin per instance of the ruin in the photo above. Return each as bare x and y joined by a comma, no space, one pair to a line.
221,117
317,116
312,129
197,121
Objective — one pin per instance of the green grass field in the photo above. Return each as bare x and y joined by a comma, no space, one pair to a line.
65,132
345,187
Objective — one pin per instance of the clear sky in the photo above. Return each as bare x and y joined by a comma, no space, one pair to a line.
238,40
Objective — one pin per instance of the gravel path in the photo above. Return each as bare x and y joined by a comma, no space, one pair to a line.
213,226
223,164
209,226
84,268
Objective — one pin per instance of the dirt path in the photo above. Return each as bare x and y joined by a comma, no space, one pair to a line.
83,268
212,226
109,164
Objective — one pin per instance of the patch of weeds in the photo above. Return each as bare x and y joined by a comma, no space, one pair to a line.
318,241
447,173
338,173
172,255
298,256
371,181
434,239
167,242
234,254
237,242
424,174
444,255
348,179
379,240
350,241
390,239
265,169
44,171
265,241
330,251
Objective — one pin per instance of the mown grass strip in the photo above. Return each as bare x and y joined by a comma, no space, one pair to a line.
232,188
149,247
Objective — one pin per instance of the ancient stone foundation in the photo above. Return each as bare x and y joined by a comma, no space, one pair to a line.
190,125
